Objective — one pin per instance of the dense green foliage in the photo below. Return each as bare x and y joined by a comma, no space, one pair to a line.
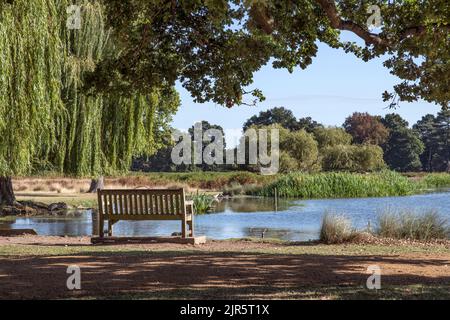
299,151
403,147
203,203
46,120
283,117
424,147
402,150
32,60
278,115
105,131
434,132
353,158
435,180
331,137
215,47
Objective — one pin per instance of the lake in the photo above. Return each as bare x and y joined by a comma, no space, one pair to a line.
294,220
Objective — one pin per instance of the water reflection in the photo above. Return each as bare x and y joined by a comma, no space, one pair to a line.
248,204
245,217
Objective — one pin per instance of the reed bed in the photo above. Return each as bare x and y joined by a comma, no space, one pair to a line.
340,185
203,203
435,180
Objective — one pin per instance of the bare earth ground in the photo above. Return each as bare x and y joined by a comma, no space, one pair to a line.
34,267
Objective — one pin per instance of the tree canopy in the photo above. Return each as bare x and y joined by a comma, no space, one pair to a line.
366,128
435,134
47,120
215,46
278,115
403,146
330,137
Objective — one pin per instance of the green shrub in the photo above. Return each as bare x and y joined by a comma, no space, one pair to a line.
335,229
288,163
330,137
203,203
354,158
302,147
407,224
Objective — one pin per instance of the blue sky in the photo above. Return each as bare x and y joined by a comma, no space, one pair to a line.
331,88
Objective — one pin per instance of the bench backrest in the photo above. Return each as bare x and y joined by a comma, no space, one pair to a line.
142,202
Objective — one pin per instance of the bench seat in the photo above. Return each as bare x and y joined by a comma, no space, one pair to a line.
144,204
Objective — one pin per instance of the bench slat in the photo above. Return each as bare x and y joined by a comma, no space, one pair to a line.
167,203
120,204
125,201
150,200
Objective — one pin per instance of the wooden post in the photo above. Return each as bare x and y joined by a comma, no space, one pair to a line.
276,199
192,224
100,215
183,227
110,227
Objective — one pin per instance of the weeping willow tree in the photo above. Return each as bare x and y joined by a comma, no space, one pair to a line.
31,109
105,131
47,120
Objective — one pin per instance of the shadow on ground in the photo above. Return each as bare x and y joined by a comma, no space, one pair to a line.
229,275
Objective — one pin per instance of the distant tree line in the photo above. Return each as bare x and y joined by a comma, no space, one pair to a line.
364,143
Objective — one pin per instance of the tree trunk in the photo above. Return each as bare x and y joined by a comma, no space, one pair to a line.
7,196
96,184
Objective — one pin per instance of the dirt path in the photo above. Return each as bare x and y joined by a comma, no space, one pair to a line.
214,270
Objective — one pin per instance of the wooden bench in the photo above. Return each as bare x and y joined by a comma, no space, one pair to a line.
144,204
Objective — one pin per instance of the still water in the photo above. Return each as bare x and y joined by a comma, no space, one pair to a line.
244,217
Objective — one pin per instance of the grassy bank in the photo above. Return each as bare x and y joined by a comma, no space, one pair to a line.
50,189
351,185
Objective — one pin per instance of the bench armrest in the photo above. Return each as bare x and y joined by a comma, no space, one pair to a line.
189,206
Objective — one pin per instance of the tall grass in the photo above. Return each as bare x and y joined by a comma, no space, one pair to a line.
340,185
335,229
435,180
409,224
